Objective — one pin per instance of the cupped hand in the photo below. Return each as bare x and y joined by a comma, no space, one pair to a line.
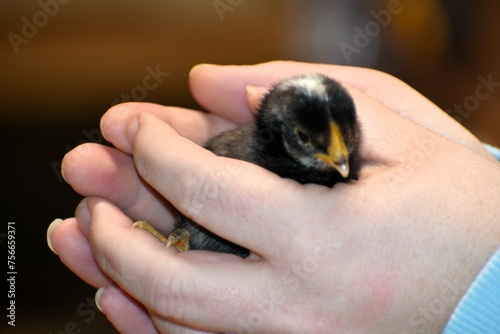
392,252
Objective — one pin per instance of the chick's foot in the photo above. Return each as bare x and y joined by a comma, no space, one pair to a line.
178,238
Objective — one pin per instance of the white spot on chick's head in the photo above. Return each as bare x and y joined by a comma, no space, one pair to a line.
312,84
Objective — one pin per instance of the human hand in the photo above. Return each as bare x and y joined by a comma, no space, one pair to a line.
363,257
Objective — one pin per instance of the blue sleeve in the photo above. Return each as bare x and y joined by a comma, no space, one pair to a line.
479,309
495,151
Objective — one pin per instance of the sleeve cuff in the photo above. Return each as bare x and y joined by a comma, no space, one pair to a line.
495,151
479,309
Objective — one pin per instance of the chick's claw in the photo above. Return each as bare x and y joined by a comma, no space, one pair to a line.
178,238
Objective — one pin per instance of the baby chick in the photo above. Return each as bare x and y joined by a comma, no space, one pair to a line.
306,129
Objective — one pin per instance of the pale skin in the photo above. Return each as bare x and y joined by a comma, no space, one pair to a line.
366,257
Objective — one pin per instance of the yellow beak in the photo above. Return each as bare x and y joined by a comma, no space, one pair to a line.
337,155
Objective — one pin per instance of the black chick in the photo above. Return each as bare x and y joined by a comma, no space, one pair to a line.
305,129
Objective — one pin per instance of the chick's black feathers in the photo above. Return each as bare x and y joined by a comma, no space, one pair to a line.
301,123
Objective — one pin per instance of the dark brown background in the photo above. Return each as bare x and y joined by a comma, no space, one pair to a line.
55,88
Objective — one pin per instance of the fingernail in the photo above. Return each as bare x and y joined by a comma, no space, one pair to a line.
255,94
62,170
251,90
50,232
200,66
112,119
69,164
97,298
255,90
83,216
132,128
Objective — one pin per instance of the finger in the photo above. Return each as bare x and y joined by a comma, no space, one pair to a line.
111,174
196,182
197,126
372,112
195,288
209,87
68,241
370,148
124,312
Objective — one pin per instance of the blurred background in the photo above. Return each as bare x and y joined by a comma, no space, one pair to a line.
63,63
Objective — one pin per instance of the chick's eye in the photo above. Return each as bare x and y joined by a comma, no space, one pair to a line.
302,136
